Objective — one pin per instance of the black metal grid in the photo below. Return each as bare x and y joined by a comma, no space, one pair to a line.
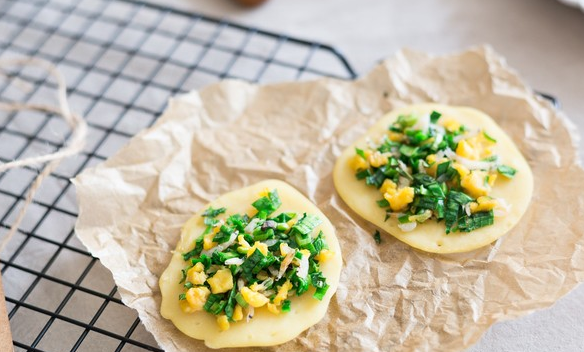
122,60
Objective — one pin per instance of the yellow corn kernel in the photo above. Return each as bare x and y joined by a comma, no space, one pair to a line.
492,179
262,247
223,322
358,163
185,306
461,169
324,255
388,186
400,199
284,249
208,241
221,282
197,296
377,159
474,184
196,276
255,287
449,123
242,242
273,308
254,299
483,204
264,193
237,313
395,136
466,150
282,292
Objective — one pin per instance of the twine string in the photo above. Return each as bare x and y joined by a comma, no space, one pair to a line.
73,145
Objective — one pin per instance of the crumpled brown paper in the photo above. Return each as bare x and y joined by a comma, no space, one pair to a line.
391,296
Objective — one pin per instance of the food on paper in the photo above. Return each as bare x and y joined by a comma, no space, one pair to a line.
255,267
443,179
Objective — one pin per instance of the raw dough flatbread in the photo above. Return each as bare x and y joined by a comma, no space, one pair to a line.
430,236
265,329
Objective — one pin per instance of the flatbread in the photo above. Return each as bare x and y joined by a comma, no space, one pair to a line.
430,236
265,329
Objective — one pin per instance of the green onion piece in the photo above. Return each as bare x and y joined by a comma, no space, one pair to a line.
382,203
195,251
320,292
209,221
406,120
184,276
230,307
302,229
361,153
182,297
489,137
219,258
459,197
268,204
506,171
377,237
206,260
362,174
476,220
250,263
435,116
188,285
210,212
423,179
284,217
242,302
407,150
286,305
376,179
442,168
215,303
404,219
451,214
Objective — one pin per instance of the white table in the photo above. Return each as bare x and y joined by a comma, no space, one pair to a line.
542,39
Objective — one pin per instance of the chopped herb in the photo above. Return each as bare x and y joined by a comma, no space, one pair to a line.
435,116
182,297
489,138
212,213
286,305
361,153
377,237
383,203
268,204
506,171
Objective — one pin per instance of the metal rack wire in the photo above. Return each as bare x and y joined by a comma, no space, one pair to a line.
122,60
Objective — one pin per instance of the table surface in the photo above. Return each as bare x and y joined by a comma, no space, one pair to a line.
541,39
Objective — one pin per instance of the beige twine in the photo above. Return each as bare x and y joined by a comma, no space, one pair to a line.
75,143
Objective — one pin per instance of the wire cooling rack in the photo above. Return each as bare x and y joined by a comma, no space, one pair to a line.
122,60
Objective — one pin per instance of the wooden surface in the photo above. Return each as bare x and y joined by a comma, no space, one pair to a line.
5,336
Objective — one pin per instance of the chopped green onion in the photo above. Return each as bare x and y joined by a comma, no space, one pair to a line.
361,153
286,305
182,297
210,212
489,138
268,204
377,237
382,203
435,116
506,171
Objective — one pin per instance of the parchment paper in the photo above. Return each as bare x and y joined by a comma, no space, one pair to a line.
391,296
